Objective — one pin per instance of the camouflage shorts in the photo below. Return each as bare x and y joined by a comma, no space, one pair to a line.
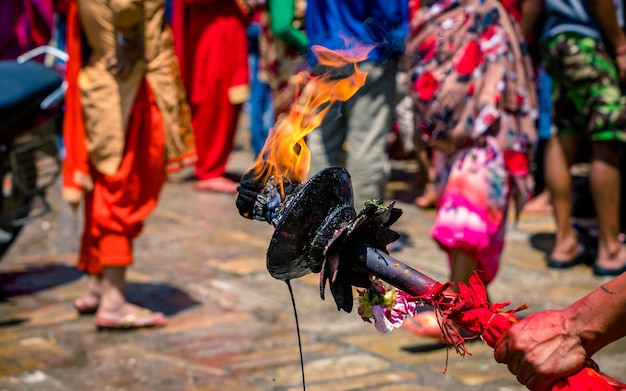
586,91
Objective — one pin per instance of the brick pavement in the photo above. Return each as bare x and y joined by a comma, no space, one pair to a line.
232,325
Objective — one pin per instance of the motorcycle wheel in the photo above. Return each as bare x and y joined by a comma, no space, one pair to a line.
15,200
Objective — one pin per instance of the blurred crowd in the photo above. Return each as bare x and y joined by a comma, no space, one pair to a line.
503,105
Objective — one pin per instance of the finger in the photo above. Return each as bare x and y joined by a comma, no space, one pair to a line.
514,362
537,383
501,351
533,380
525,373
533,383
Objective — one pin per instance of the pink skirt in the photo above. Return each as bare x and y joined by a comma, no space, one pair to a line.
472,212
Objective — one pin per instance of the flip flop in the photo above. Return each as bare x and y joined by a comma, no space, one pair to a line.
580,258
83,309
604,272
132,321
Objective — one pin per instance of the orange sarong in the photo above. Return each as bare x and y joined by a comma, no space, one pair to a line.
119,203
115,206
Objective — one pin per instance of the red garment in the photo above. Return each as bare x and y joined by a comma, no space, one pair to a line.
40,20
211,44
471,311
73,121
24,25
118,205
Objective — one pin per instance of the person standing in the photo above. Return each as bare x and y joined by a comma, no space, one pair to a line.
354,134
211,45
260,110
127,124
284,46
589,108
470,77
24,25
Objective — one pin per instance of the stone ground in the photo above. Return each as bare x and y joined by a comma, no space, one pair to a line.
231,324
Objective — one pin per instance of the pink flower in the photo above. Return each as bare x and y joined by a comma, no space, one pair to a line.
382,320
404,305
387,308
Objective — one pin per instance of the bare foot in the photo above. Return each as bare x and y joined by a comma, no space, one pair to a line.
129,316
86,305
428,199
88,302
424,324
539,204
217,185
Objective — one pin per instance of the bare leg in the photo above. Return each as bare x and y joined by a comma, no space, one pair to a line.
426,180
425,323
462,268
113,287
558,156
113,304
605,188
423,163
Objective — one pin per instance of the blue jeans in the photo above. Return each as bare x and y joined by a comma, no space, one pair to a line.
261,112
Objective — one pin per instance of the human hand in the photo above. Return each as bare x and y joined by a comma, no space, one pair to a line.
541,349
128,50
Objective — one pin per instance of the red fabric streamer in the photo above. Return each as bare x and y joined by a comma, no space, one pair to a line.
471,312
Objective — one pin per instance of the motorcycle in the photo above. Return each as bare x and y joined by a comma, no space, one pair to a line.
31,109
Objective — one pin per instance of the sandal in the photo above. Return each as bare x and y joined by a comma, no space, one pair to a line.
142,319
605,272
582,257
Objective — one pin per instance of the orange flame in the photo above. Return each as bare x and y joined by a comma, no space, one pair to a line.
285,149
